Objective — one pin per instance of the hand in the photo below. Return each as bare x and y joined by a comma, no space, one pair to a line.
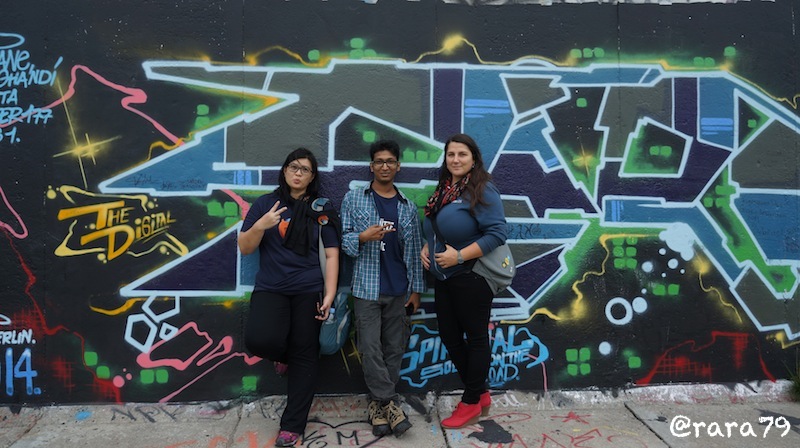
324,310
270,219
448,258
413,303
424,255
374,233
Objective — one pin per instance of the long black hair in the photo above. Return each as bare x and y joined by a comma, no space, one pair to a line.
312,191
479,177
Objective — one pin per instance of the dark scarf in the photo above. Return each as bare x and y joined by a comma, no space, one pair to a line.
298,238
445,193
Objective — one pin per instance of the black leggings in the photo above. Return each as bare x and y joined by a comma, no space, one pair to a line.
283,328
464,306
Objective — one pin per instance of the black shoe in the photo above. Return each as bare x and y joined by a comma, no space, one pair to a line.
377,418
398,420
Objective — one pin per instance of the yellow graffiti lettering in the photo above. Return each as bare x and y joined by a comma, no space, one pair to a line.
111,233
102,211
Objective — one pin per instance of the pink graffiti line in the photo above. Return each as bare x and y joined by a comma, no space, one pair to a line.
222,350
244,206
134,96
8,227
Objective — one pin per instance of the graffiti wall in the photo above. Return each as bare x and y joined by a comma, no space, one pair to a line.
647,156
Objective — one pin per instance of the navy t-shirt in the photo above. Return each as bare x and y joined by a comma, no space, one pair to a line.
394,280
280,269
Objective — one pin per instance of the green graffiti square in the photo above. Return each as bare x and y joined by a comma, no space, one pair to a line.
673,289
581,102
587,52
631,240
634,362
231,208
356,42
369,136
697,61
586,369
585,354
708,202
654,150
103,372
752,123
214,208
729,52
356,54
147,376
709,62
618,241
618,251
619,263
631,263
162,376
720,202
572,369
572,355
659,290
666,151
370,53
90,358
599,52
575,53
202,109
630,251
201,122
249,383
422,156
313,55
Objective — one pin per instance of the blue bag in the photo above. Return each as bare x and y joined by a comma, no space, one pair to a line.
336,330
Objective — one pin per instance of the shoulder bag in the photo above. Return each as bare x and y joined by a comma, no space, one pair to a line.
336,329
497,267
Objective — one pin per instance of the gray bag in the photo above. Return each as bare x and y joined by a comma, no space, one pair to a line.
497,267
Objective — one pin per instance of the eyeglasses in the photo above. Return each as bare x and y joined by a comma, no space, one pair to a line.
294,168
379,163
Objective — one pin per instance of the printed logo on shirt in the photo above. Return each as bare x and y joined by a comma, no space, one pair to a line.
282,226
388,225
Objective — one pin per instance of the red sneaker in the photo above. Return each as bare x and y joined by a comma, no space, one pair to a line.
486,403
465,414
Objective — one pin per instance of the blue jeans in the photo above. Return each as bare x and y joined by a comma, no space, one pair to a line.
383,331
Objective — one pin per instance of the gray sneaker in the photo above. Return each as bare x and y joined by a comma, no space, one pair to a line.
377,418
398,420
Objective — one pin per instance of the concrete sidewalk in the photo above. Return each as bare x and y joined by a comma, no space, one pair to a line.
744,415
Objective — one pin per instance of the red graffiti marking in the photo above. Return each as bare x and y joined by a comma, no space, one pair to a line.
24,230
585,440
678,360
572,416
34,319
62,371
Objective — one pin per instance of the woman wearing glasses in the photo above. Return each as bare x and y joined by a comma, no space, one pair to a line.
291,297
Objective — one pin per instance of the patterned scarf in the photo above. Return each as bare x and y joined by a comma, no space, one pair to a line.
445,194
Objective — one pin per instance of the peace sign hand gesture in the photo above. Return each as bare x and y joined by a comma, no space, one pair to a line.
270,219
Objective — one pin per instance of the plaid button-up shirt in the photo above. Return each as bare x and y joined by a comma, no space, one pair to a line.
358,213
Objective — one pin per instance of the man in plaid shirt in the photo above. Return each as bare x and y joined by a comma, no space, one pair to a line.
381,231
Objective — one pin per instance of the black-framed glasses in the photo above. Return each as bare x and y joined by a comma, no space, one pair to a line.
294,168
379,163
